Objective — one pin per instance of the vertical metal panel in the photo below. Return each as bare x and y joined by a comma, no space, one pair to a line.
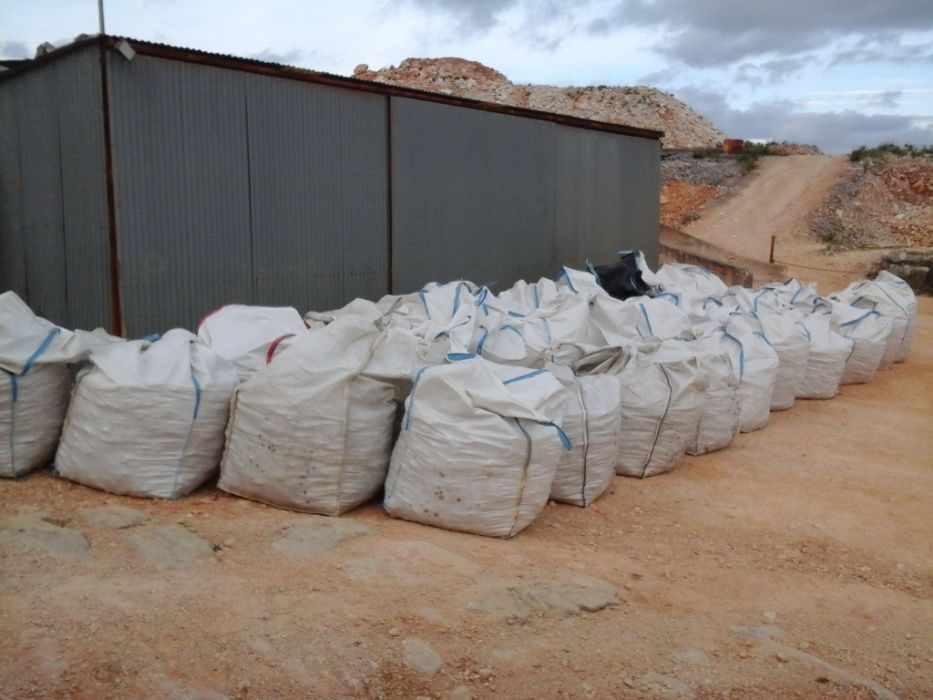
607,195
182,190
84,197
12,245
473,195
318,193
53,208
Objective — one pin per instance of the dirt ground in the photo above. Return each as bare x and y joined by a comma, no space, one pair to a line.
797,563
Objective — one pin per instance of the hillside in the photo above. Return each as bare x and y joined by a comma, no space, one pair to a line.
636,106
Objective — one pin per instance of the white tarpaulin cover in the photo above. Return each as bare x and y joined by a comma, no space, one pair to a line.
312,431
34,384
719,409
244,334
661,390
827,360
147,418
479,447
593,422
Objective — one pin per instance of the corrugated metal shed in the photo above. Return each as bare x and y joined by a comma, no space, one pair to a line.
53,223
240,181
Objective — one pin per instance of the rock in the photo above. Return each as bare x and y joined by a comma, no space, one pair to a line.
170,546
40,531
419,655
461,692
318,535
516,602
362,68
666,686
783,658
769,615
114,517
694,657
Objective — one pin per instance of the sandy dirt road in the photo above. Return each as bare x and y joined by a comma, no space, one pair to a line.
797,563
777,200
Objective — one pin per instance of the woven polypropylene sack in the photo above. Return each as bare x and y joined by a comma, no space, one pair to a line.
479,447
719,409
147,419
826,362
660,390
593,422
757,364
312,431
32,410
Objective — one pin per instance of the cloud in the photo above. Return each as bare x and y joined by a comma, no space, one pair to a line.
722,32
14,50
884,48
788,120
473,16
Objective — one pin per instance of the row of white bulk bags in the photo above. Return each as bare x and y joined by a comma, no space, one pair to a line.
147,418
313,430
593,423
479,447
244,334
661,389
35,383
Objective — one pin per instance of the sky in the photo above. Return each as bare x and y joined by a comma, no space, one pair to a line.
835,73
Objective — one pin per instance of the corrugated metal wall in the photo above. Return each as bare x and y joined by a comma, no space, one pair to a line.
490,197
53,206
239,188
231,186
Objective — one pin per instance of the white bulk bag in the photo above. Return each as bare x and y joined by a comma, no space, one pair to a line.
147,418
478,449
312,430
661,390
780,326
869,295
869,332
719,408
244,334
827,360
639,319
693,285
756,362
795,294
34,384
593,422
902,295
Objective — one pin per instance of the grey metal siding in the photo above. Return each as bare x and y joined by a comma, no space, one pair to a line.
53,189
607,195
318,193
238,188
472,195
181,185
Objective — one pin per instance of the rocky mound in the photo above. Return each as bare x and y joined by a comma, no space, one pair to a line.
634,106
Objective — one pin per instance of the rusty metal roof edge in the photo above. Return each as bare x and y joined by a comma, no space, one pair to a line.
253,65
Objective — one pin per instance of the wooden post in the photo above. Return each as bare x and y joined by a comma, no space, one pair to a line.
771,256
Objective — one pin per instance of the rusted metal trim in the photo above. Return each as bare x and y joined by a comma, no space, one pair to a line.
278,71
116,310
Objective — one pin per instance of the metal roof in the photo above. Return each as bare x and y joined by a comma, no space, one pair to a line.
252,65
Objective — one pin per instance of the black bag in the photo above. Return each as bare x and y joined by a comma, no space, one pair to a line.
623,279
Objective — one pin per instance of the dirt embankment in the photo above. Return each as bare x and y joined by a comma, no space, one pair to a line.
639,106
883,201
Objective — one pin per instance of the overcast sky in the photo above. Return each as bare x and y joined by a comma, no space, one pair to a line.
838,73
